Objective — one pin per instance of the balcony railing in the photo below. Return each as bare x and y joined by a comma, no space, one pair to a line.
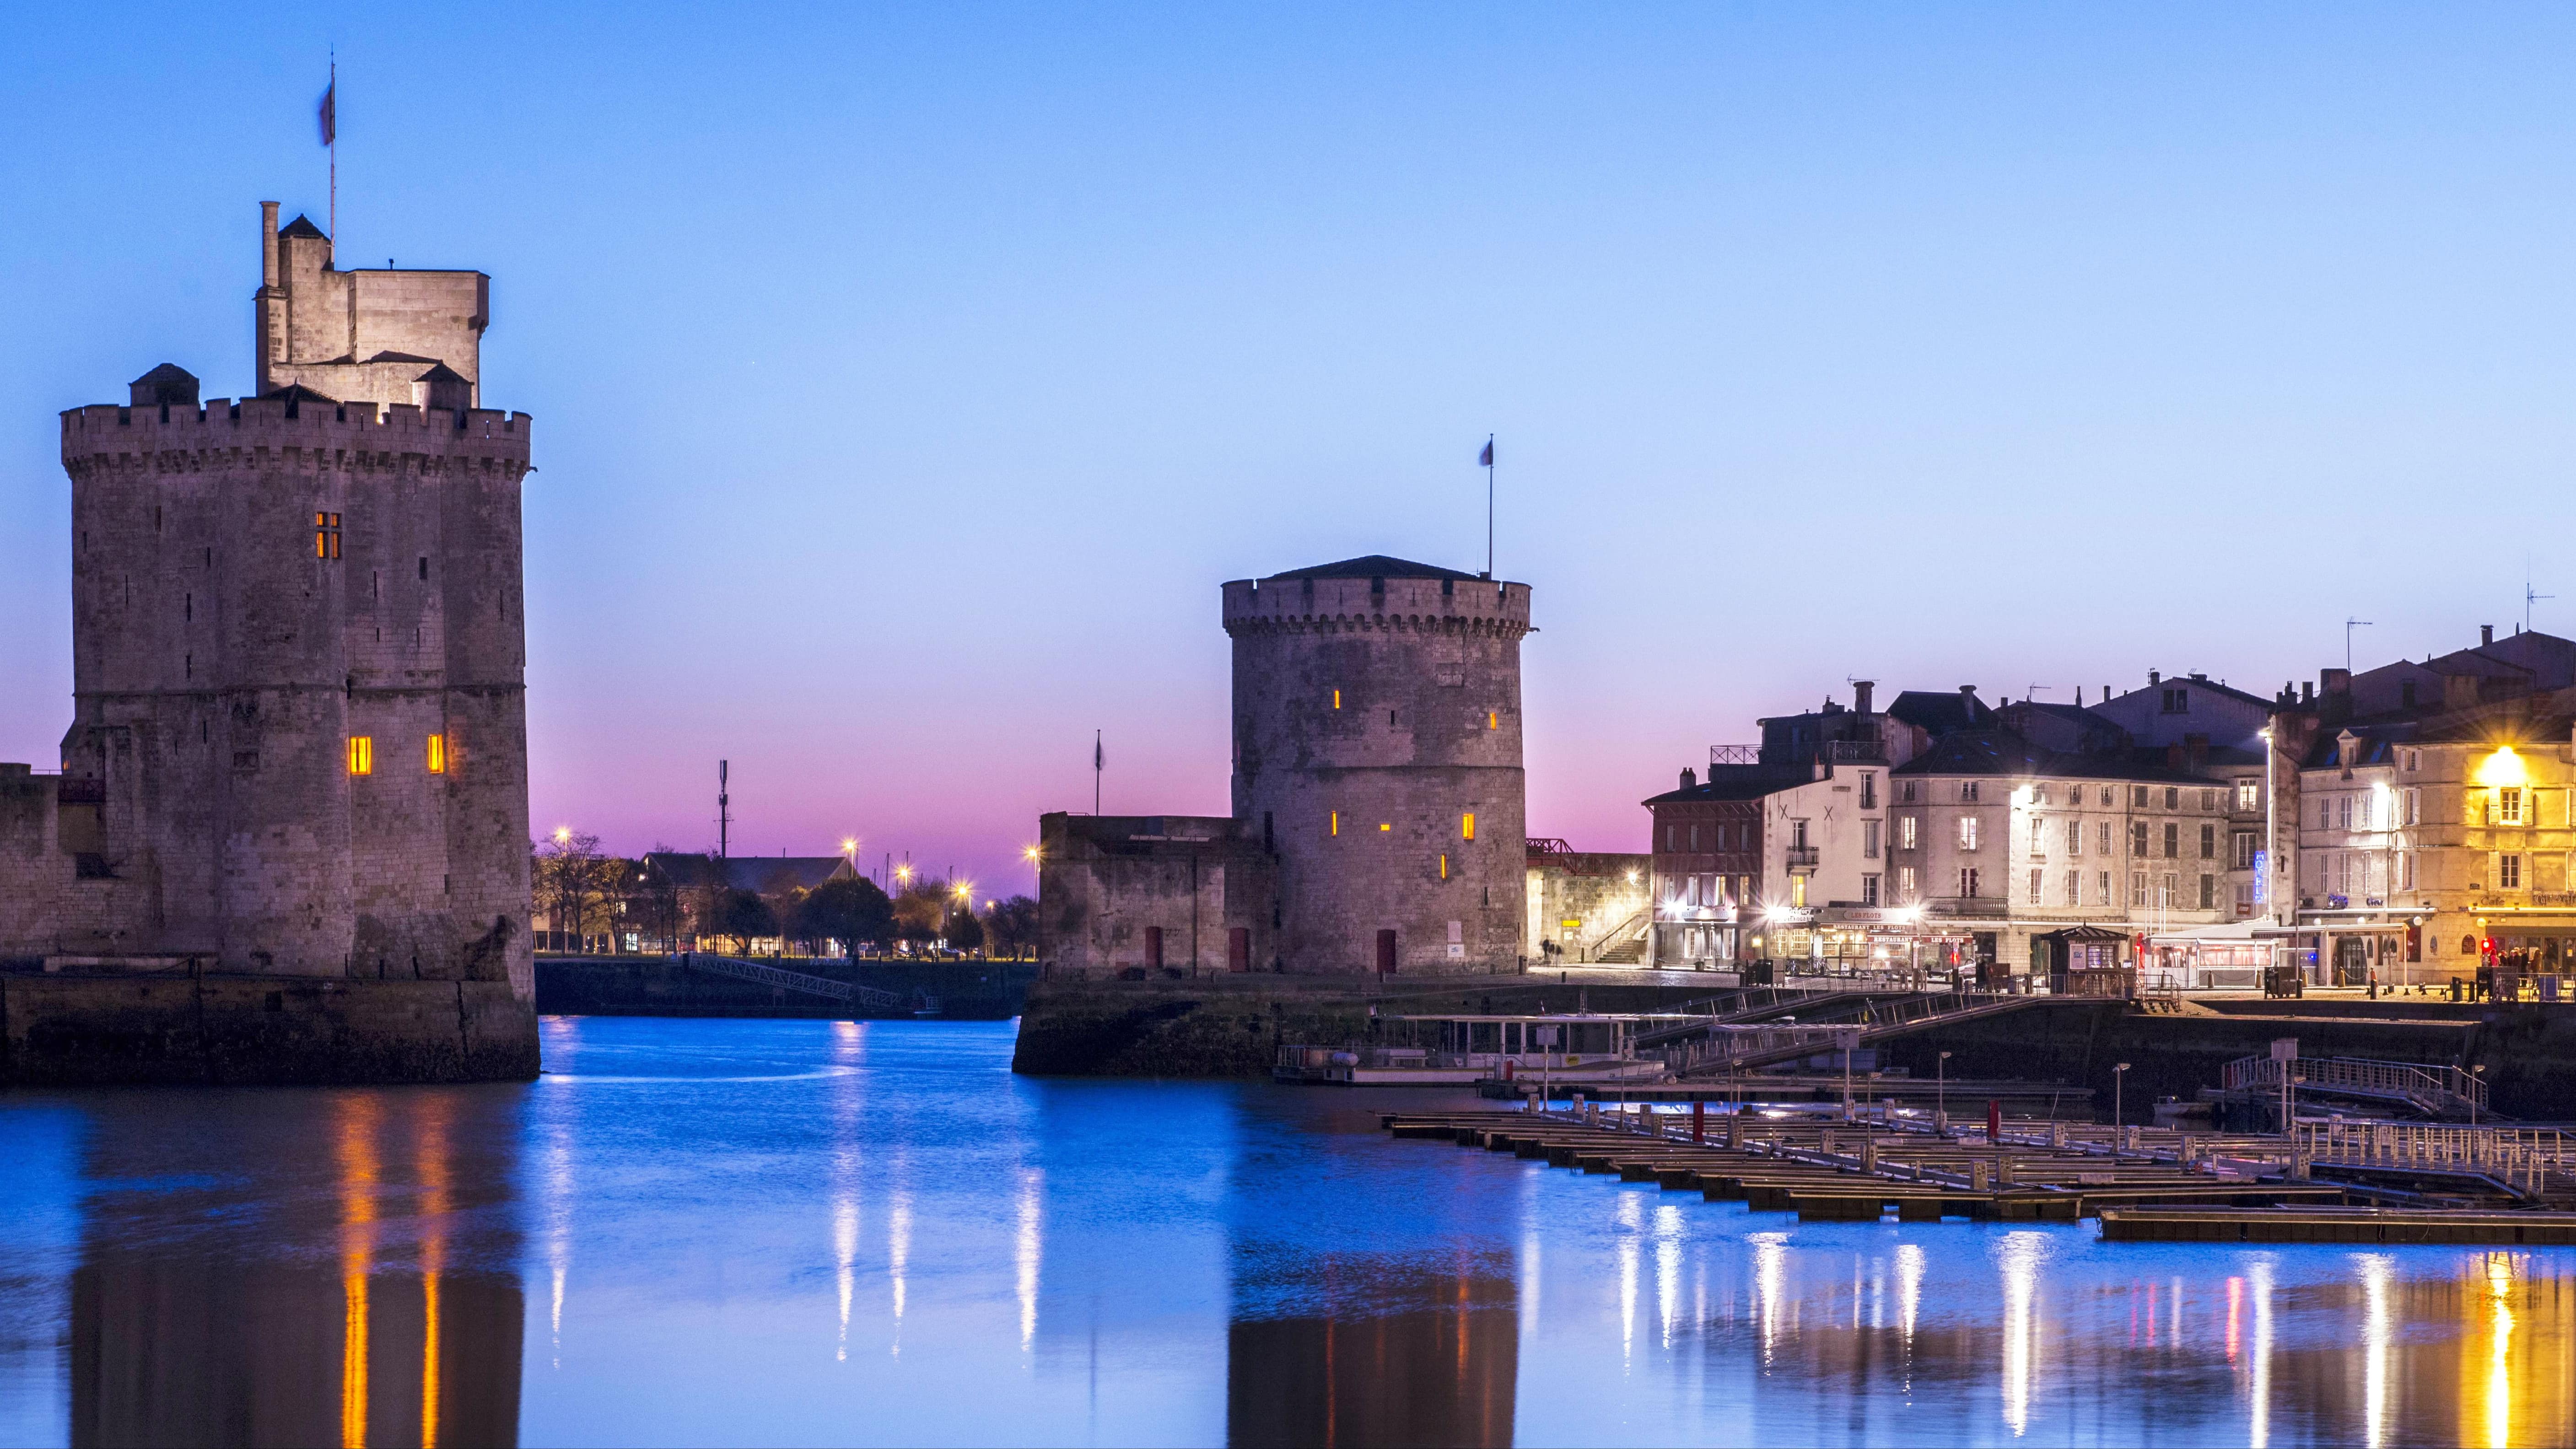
1734,755
1802,857
1855,752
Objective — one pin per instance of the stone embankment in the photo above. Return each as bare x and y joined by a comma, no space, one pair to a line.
179,1027
663,986
1233,1026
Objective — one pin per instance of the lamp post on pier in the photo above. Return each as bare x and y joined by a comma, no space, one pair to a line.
1941,1094
2119,1078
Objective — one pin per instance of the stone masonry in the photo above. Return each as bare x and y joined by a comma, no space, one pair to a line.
1377,753
298,745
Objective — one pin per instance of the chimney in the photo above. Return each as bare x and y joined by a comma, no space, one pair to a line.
2079,696
1690,777
2154,678
2334,688
2307,692
1860,694
268,244
2486,635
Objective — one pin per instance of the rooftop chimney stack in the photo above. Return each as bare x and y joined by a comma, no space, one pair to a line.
1690,777
2154,678
1860,694
2486,635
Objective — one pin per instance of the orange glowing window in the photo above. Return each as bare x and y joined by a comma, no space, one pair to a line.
1467,826
1386,827
1493,719
326,535
362,755
1444,865
1337,699
1337,822
438,754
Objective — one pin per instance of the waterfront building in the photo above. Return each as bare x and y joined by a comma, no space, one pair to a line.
2437,822
297,760
1779,853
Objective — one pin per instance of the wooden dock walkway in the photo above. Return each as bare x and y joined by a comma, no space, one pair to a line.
1841,1171
2337,1225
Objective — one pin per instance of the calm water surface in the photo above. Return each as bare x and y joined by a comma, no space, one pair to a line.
773,1232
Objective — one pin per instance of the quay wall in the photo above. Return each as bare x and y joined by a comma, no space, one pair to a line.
660,986
2529,1052
1233,1025
203,1028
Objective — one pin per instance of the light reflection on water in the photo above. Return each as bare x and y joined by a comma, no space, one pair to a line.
780,1232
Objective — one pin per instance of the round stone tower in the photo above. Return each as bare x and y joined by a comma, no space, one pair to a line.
1377,757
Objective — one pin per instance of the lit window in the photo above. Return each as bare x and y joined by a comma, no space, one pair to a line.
1336,818
2509,805
1467,826
438,754
1385,827
1337,699
362,755
326,535
1444,865
1493,719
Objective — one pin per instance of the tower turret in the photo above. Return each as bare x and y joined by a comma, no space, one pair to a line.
1377,755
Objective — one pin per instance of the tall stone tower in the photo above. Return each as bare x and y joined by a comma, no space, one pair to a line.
1377,755
299,743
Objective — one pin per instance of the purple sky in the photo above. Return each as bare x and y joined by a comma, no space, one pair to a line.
907,379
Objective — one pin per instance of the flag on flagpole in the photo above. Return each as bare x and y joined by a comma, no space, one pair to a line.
1099,758
1486,458
330,124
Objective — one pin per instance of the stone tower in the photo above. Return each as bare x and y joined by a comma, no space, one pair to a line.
1377,755
299,745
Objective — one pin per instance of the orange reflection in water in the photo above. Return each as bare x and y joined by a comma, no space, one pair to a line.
354,1140
430,1166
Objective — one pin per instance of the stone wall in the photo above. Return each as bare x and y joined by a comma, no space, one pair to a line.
1599,891
179,1027
1106,883
1377,755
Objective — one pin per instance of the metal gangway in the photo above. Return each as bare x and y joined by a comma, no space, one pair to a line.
2522,1159
1738,1048
848,991
2437,1092
1744,1005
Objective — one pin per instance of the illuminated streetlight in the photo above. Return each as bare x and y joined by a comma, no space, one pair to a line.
1029,853
850,846
563,835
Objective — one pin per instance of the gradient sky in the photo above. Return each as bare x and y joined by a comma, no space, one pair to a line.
907,379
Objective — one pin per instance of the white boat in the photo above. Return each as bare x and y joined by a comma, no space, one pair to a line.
1576,1048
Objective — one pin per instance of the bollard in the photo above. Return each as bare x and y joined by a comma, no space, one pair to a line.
1940,1124
1977,1177
2056,1134
2129,1140
2003,1172
1735,1128
1869,1156
1826,1144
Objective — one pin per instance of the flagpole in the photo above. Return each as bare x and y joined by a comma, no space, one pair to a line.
1489,505
333,92
1098,760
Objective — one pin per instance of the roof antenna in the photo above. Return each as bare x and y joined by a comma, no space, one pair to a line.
2528,595
2030,690
2350,624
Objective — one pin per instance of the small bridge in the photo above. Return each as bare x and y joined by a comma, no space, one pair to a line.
2440,1093
867,997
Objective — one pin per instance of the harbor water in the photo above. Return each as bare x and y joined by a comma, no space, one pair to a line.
794,1232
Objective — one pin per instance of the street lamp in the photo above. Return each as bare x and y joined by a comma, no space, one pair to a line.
2119,1079
563,835
1941,1093
2474,1074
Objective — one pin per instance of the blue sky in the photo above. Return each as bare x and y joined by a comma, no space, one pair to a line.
907,379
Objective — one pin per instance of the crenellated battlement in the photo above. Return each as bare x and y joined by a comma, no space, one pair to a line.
1418,605
224,432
